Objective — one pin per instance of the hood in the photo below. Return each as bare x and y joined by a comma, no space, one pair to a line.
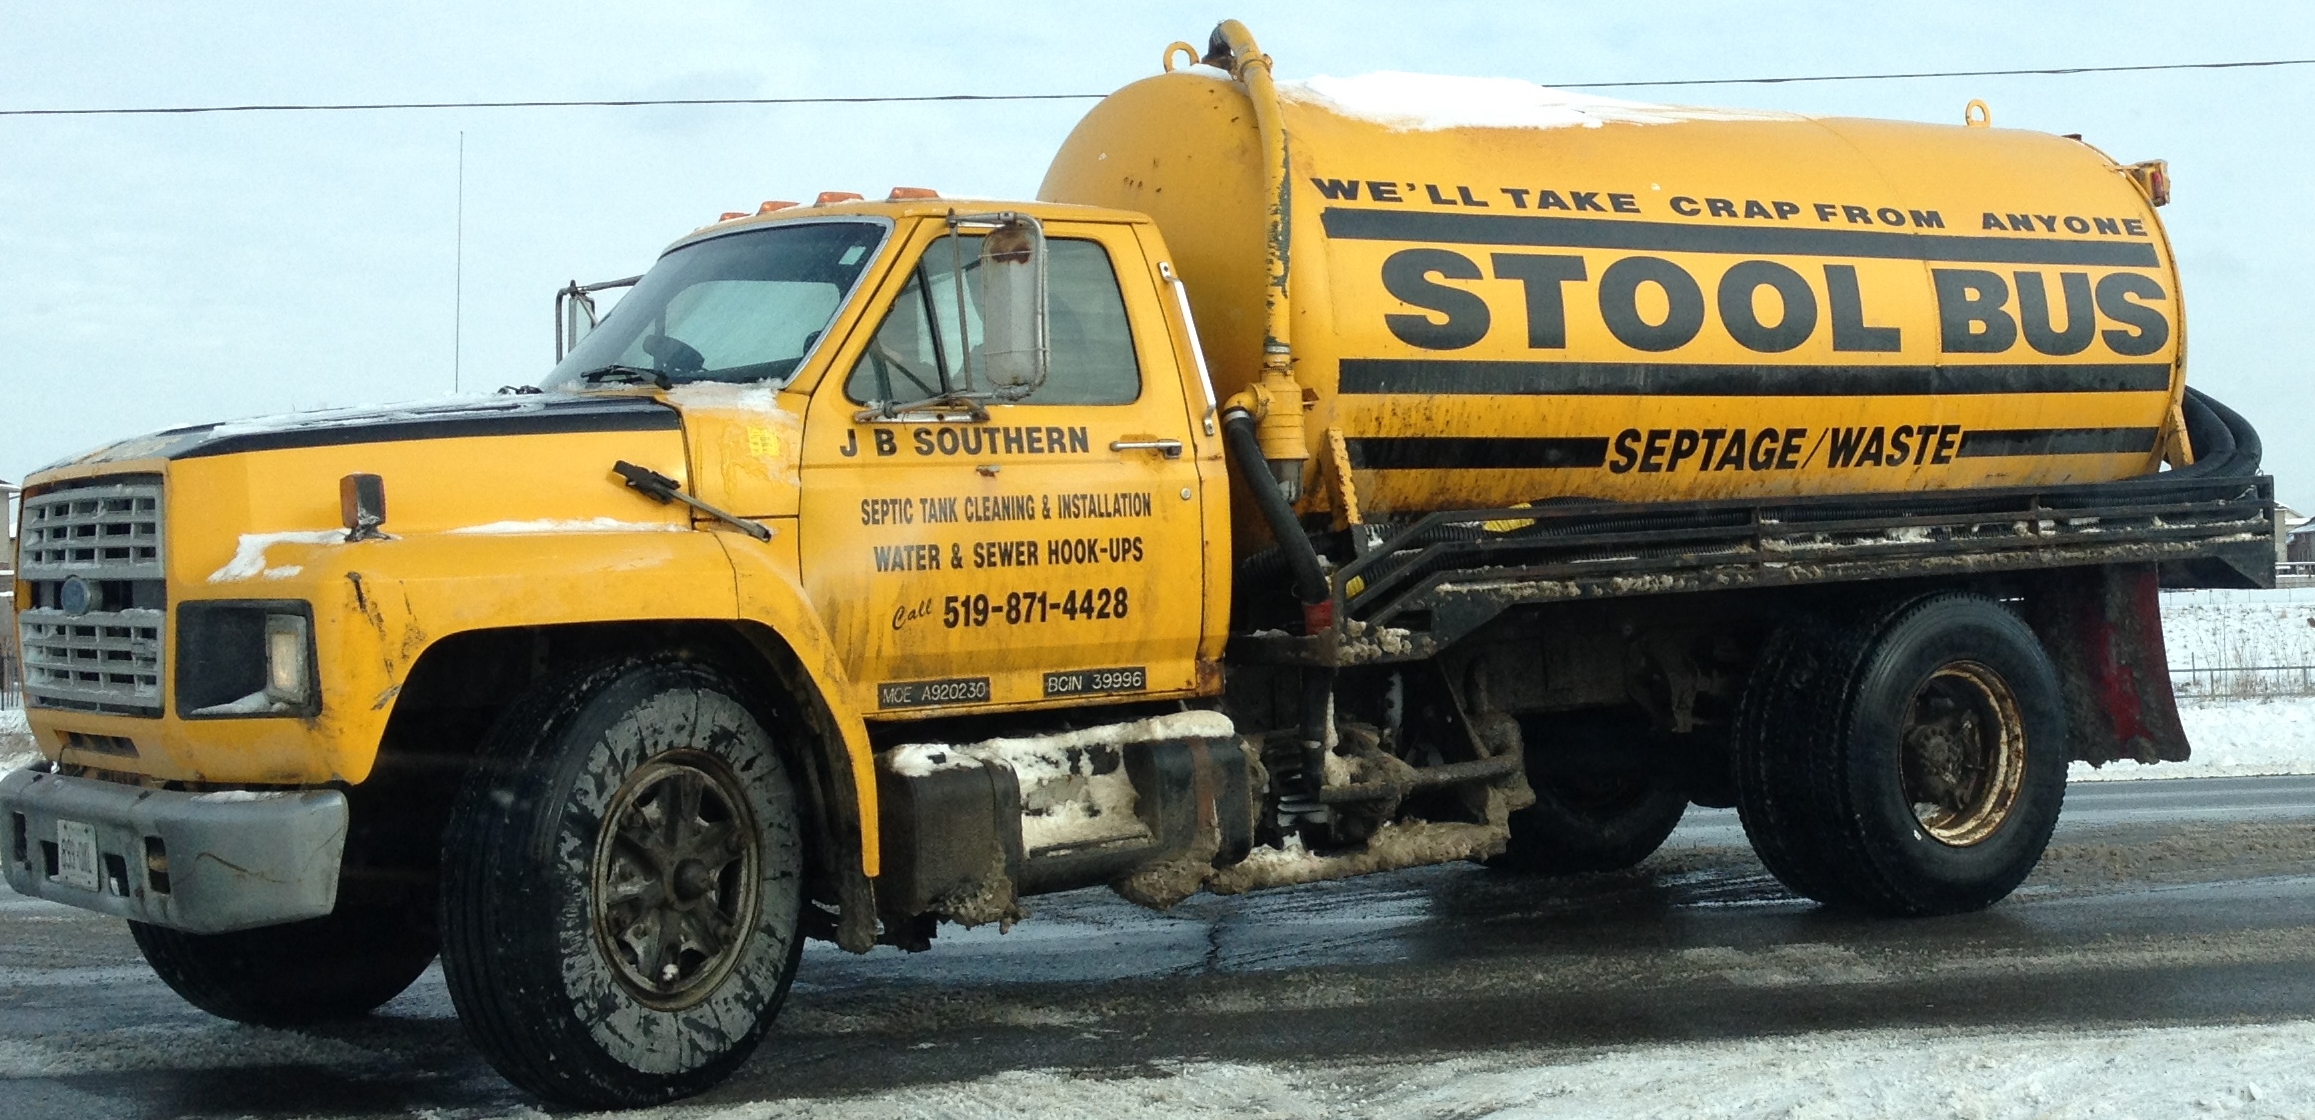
528,414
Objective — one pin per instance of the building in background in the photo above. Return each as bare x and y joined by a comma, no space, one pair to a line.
11,664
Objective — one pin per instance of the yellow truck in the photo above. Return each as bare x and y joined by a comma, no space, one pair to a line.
1315,479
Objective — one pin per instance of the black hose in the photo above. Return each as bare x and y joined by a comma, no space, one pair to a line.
1310,584
2224,443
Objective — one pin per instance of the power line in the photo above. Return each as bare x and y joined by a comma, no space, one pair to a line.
632,103
176,110
2062,70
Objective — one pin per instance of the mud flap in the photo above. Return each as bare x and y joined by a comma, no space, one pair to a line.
2103,629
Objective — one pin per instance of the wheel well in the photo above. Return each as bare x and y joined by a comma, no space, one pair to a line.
462,684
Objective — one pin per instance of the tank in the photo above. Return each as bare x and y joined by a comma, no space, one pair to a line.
1490,293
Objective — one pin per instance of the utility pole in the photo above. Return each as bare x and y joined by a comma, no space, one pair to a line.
458,273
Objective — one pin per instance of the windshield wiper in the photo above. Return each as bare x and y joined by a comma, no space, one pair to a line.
636,374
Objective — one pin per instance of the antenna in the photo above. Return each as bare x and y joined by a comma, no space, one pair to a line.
458,272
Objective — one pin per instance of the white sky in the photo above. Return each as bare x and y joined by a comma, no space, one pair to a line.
157,271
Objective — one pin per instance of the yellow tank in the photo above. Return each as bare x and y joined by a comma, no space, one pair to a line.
1494,293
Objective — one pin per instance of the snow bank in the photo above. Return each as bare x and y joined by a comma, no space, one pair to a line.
1430,102
16,748
2231,739
2240,643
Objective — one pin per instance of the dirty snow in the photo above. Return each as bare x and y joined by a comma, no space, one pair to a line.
230,796
1068,798
2252,1071
589,525
1430,102
255,704
249,555
1028,754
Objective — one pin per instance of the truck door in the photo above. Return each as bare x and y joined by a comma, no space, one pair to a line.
1051,553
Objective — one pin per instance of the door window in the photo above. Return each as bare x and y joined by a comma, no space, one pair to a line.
919,351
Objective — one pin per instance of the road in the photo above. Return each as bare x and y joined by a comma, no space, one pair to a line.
2183,903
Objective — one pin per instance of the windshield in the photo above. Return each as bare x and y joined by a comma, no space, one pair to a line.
742,307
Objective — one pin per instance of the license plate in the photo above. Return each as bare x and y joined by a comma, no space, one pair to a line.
76,854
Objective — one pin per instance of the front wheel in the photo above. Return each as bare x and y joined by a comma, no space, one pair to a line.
339,966
621,886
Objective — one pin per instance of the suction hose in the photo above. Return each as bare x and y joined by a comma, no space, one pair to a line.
1310,584
2225,445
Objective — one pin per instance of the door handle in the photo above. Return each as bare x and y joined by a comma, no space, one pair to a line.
1172,448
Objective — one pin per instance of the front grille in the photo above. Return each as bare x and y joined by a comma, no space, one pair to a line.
105,655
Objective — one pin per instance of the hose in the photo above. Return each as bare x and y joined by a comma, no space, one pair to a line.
1310,584
2224,443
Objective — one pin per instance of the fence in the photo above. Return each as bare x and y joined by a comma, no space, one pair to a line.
2244,682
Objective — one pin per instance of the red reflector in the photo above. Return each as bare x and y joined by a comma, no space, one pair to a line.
1318,618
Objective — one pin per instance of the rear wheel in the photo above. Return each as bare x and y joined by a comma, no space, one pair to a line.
622,886
334,967
1582,823
1906,760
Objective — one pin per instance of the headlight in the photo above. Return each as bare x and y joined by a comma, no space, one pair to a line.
288,666
238,659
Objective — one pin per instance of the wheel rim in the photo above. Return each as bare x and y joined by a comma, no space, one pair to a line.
678,861
1963,753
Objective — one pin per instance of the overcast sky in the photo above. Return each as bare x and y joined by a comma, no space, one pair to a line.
157,271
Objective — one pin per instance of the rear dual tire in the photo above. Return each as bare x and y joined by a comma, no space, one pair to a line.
1906,759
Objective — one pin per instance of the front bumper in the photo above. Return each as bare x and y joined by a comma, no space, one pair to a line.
199,862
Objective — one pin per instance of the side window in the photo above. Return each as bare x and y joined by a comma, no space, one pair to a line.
917,352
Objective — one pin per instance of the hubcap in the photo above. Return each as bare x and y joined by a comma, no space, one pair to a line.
1963,753
677,863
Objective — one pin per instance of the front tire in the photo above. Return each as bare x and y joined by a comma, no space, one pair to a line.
340,966
1909,760
622,885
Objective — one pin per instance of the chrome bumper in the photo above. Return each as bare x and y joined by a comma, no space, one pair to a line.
199,862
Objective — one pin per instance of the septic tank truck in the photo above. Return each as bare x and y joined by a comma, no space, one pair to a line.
1314,480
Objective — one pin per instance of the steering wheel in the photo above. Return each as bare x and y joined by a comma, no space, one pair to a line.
674,355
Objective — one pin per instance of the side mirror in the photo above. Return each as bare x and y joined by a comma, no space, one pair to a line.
579,319
1013,278
1005,351
575,314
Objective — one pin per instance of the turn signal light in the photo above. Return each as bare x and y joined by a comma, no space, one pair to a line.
827,197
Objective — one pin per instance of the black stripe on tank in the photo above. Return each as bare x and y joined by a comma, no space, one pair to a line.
1393,453
1475,377
618,415
1361,224
1991,442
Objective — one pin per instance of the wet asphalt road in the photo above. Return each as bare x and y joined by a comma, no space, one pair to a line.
2160,903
